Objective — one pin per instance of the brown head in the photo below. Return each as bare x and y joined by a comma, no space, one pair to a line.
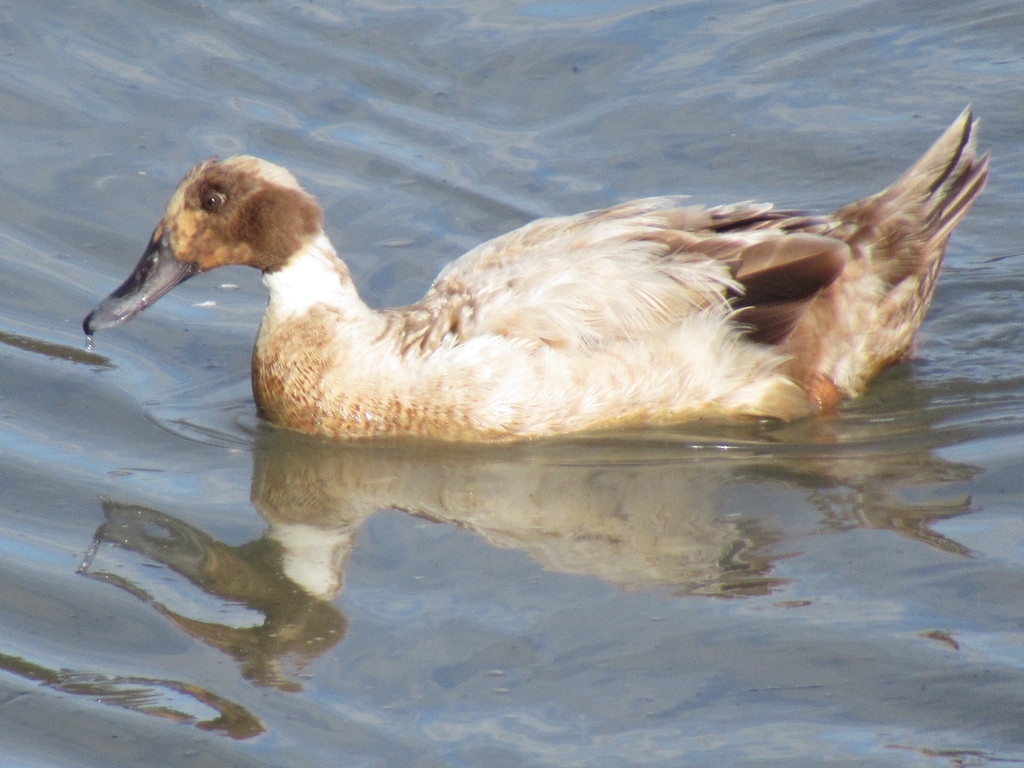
242,210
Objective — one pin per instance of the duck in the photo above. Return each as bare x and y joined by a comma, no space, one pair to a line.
655,311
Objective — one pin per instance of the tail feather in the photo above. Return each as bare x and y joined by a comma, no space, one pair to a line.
943,183
957,198
898,237
913,217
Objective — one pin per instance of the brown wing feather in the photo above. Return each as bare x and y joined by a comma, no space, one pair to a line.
631,270
779,278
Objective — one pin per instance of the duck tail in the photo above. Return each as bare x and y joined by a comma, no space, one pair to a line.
913,218
943,183
898,237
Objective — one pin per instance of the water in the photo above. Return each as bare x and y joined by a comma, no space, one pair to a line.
181,586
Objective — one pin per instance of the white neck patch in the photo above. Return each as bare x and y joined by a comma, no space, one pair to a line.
312,276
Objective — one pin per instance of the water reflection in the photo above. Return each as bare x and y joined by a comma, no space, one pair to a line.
635,518
54,351
283,627
638,516
168,699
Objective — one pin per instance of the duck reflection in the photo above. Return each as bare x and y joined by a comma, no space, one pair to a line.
662,514
283,627
167,699
632,517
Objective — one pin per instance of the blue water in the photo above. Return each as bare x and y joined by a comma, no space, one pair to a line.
180,585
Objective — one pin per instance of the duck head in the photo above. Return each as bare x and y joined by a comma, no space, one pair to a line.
242,210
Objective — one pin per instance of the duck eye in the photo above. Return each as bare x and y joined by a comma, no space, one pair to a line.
212,201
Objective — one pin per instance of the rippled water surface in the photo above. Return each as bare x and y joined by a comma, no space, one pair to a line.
181,586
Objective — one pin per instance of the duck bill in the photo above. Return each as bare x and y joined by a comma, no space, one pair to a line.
157,272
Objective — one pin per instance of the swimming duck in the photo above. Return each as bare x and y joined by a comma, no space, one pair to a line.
652,311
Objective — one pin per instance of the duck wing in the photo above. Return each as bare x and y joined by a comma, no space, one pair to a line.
632,271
